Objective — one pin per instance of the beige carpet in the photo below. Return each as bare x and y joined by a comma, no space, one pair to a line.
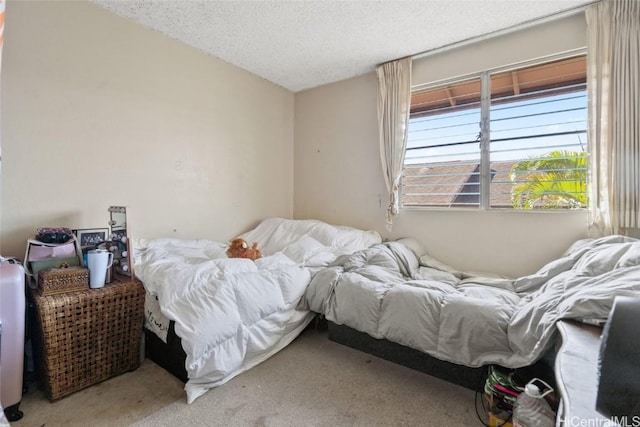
315,382
118,401
312,382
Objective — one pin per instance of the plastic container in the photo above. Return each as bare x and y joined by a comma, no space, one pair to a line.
12,325
531,408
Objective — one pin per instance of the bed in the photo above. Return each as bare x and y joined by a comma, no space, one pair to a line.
395,292
222,316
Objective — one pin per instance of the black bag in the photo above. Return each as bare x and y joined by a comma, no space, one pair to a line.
54,235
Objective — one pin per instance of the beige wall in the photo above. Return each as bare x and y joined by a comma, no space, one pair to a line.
98,111
338,177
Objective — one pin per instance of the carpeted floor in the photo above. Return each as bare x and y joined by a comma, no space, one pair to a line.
118,401
313,382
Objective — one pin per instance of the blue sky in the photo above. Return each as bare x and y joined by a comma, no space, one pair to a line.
568,113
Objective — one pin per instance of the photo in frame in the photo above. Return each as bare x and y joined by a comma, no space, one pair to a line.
91,236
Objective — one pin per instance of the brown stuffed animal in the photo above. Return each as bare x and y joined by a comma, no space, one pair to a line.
239,248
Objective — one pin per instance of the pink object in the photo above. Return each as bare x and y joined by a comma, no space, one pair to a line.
506,390
38,253
12,314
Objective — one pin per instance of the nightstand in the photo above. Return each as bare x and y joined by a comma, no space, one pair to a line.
577,375
84,337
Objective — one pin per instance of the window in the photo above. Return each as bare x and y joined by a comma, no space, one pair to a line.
510,138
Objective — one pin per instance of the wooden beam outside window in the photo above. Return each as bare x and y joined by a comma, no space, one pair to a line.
561,76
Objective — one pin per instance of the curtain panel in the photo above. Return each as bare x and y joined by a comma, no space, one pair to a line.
394,102
613,82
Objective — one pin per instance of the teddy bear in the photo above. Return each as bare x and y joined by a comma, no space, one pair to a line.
239,248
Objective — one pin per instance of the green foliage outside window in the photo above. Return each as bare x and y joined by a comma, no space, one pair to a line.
556,180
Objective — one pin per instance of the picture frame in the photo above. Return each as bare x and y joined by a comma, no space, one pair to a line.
91,236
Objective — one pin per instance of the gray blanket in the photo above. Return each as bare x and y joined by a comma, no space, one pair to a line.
389,291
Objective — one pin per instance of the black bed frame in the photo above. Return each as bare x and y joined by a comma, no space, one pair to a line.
405,356
471,378
171,356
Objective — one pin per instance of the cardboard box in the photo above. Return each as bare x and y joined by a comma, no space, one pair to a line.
495,421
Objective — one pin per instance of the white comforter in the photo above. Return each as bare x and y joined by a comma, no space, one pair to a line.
232,314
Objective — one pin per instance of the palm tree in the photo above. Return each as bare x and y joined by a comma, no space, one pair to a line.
555,180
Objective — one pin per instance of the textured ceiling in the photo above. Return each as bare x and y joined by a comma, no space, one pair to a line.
304,44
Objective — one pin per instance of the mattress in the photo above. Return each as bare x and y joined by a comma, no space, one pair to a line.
390,292
233,313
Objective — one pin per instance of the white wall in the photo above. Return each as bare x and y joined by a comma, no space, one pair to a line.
338,176
98,111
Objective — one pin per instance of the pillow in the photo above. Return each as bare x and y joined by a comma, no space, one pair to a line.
428,261
414,245
303,249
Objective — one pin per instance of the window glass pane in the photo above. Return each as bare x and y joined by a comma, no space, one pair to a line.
443,151
538,141
538,137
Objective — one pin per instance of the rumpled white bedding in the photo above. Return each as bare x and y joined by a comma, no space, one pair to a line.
390,291
232,314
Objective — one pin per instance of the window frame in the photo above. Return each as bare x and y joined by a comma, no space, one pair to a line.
485,132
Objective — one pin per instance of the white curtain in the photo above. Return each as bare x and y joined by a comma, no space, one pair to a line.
613,82
394,102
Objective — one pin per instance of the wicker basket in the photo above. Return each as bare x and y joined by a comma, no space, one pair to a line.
86,337
52,281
